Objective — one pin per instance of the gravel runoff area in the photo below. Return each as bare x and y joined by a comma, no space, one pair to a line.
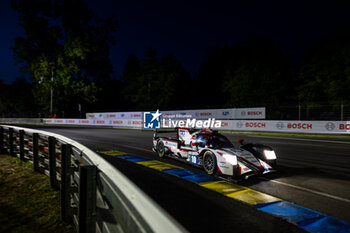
27,202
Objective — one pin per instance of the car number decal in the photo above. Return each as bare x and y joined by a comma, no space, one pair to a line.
193,159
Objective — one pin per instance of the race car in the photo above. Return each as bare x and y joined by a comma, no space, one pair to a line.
213,152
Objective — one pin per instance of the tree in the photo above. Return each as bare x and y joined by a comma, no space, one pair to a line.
325,70
174,85
133,82
67,41
152,84
211,75
16,99
258,74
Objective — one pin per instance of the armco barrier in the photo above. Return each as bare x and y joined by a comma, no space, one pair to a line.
94,194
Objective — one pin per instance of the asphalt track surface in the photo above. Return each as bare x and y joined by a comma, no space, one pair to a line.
313,172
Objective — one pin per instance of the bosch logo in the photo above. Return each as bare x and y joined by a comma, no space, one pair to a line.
255,125
330,126
344,126
239,124
255,113
197,114
280,125
243,113
225,113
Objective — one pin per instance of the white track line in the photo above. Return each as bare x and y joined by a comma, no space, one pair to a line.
308,190
302,139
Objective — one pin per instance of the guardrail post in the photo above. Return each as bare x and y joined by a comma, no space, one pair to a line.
1,140
21,144
10,146
52,162
35,149
65,181
87,199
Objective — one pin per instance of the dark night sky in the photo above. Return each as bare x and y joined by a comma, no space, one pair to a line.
190,28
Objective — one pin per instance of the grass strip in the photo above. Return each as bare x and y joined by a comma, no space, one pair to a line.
27,201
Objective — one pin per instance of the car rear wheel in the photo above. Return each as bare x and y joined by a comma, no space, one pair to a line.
160,149
209,163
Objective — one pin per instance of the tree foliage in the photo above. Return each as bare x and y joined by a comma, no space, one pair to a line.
65,40
325,70
151,83
16,99
258,73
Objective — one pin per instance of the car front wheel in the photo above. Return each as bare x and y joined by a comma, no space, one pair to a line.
209,163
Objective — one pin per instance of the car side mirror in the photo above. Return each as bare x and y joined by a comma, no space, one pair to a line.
240,141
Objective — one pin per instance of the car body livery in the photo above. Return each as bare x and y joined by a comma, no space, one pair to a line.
215,153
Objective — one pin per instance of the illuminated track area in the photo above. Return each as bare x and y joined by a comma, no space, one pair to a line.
305,218
314,173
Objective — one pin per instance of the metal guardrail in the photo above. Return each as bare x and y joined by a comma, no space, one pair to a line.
94,194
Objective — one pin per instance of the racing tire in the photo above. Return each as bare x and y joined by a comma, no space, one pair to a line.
209,163
160,149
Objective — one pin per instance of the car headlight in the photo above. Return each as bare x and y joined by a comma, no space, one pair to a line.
270,154
232,159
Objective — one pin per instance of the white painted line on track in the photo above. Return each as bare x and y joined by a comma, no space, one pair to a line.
308,190
302,139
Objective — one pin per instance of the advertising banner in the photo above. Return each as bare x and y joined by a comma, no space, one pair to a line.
229,113
316,127
323,127
114,115
128,123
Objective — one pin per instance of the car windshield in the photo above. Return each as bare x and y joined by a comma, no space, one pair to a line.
220,141
217,141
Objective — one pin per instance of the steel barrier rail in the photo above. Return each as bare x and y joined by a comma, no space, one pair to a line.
93,193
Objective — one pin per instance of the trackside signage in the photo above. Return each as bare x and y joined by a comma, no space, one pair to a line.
114,115
229,113
324,127
203,114
126,123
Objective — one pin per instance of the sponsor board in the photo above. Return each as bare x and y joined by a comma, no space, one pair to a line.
114,115
230,113
323,127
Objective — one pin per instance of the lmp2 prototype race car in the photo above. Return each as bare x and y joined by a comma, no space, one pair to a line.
213,152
